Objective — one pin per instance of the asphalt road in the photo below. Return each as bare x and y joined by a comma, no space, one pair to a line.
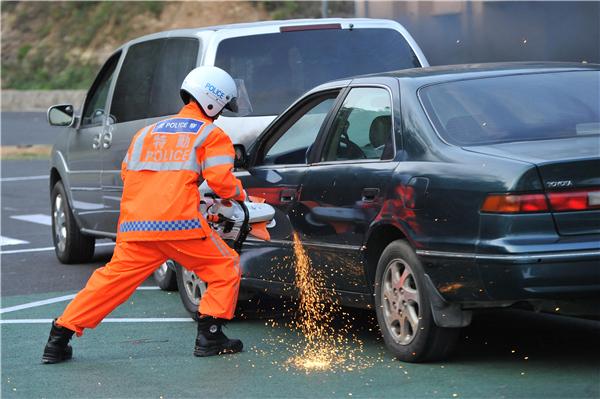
26,128
144,349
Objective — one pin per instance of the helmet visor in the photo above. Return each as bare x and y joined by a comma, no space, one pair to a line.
240,105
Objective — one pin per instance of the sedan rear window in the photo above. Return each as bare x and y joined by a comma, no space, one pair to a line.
513,108
279,67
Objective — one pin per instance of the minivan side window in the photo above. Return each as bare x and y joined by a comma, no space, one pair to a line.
94,108
178,58
279,67
150,78
291,146
362,128
130,100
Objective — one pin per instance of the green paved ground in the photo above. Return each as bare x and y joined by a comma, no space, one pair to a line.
154,359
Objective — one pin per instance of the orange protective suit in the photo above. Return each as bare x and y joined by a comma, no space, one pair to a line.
160,219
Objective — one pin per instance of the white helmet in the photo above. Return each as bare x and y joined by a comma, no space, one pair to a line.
212,87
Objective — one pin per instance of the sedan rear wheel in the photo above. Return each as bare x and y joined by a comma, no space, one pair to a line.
191,288
400,301
403,308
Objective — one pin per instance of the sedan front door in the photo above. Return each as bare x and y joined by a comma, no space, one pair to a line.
279,164
343,191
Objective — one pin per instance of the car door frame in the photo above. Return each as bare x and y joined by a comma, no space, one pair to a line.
256,248
121,134
88,216
355,252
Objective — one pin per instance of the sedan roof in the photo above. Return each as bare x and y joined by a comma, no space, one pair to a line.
439,74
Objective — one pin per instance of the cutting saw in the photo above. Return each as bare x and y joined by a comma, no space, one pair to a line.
233,220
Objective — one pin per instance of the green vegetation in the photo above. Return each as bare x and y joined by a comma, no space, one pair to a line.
62,44
62,54
23,50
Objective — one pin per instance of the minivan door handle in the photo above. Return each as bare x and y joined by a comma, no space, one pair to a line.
107,140
96,141
369,194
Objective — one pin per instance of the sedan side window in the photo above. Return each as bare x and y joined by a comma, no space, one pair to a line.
292,146
94,109
362,128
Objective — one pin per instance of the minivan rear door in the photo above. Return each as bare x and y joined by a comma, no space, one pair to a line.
147,89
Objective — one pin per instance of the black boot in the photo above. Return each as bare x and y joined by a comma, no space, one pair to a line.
58,349
211,341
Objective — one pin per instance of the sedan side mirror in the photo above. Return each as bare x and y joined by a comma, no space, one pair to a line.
241,159
61,115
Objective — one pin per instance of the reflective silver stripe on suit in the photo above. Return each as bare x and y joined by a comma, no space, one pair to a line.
136,154
219,248
200,140
217,161
191,163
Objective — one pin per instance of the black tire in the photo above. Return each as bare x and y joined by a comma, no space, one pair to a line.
404,308
70,245
166,277
190,289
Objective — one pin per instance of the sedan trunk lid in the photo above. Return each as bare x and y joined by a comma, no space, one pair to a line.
570,172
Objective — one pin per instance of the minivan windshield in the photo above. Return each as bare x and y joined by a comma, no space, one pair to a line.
535,106
278,67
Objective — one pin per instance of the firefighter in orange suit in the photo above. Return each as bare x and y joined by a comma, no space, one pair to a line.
160,218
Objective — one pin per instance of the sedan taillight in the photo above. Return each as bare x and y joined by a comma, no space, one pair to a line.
515,203
579,200
560,201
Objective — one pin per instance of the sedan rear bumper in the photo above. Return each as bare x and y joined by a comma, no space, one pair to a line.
574,256
479,280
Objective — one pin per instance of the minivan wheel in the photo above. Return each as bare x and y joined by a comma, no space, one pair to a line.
191,289
69,244
165,276
403,308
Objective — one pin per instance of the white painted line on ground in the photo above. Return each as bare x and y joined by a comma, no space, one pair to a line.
23,251
23,178
35,218
109,320
37,303
55,300
11,241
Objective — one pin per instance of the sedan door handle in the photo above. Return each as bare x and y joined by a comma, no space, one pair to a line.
107,140
287,195
370,194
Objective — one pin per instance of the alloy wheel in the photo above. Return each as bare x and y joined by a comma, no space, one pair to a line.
400,301
60,222
194,287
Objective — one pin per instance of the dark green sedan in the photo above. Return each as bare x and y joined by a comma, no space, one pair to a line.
428,193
